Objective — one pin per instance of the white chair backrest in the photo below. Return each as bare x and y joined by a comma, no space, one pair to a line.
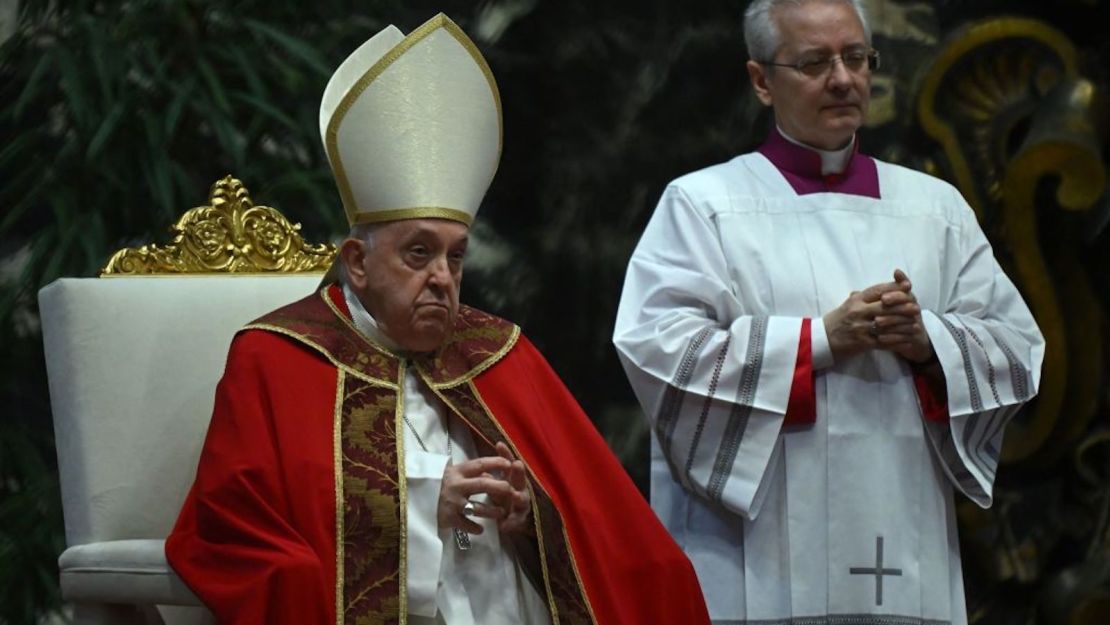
133,364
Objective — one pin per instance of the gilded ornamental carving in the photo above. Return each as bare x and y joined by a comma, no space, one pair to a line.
1005,100
229,235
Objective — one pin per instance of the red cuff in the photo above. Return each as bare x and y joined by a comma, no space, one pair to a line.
802,407
934,407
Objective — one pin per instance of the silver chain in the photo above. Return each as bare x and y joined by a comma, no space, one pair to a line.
412,429
446,428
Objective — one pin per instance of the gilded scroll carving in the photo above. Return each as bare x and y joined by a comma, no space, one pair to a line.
1005,101
229,235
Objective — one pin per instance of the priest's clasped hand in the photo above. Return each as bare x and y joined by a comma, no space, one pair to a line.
899,325
502,478
882,316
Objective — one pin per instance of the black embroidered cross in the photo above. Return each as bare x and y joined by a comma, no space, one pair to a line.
878,571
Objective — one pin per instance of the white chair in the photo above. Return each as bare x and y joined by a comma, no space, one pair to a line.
133,363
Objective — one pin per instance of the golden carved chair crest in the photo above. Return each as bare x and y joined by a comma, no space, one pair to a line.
229,235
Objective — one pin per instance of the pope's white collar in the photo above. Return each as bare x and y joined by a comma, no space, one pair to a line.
364,321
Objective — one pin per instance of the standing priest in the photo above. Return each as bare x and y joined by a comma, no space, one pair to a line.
379,453
827,350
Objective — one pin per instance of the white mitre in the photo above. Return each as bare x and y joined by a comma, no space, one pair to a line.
412,126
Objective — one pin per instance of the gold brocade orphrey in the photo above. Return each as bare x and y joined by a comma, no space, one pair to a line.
229,235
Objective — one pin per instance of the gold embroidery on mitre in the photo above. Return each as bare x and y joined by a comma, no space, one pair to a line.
229,235
441,21
416,212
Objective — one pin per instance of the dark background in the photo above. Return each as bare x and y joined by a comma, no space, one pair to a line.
115,117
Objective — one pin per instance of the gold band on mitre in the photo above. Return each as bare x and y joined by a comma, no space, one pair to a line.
428,212
412,126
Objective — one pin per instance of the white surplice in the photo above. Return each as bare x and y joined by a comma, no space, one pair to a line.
851,519
446,585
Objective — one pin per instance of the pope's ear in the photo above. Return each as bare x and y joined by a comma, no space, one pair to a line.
758,75
352,254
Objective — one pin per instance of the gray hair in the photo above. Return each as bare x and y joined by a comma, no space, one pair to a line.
761,30
365,234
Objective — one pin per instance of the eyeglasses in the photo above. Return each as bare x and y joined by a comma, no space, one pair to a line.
853,60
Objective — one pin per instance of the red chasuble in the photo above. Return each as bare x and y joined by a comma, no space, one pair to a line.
297,512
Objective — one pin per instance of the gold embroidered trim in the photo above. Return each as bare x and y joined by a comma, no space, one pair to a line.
544,559
569,551
543,555
325,353
577,575
481,367
514,336
473,430
402,495
416,212
376,70
337,450
535,516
